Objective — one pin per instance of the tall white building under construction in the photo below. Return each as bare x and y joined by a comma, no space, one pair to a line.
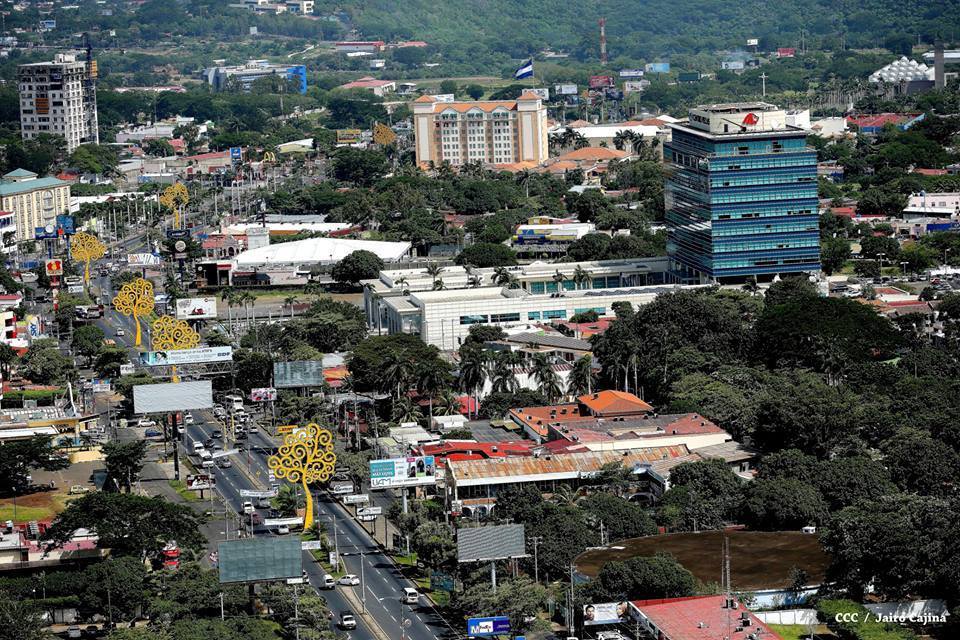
59,98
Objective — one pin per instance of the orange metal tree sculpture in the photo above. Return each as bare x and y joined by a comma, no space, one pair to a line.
306,457
87,248
135,299
168,334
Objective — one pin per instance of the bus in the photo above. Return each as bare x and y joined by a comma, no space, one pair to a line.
233,403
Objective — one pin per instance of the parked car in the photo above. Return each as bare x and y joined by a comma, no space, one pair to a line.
78,488
74,632
248,506
120,332
146,422
347,621
349,580
283,530
410,595
252,428
153,433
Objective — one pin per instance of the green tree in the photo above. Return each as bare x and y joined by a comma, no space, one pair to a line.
158,148
834,253
875,247
356,266
588,205
485,255
475,91
659,576
775,505
881,201
359,166
20,456
787,290
129,524
703,495
44,363
94,158
519,598
620,518
88,341
22,619
434,544
921,464
124,461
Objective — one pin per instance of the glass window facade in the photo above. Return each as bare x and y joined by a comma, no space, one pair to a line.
741,206
474,319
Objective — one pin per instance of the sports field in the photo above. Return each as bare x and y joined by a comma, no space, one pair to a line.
758,559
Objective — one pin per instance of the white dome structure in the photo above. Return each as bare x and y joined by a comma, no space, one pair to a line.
901,70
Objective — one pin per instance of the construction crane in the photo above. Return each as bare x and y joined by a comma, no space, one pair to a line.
90,91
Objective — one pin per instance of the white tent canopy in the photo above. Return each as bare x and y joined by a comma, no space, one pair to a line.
318,251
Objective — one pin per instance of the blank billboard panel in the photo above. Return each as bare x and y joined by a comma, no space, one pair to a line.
172,396
299,373
482,544
260,559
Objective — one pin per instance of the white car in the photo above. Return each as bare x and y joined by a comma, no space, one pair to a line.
188,418
248,507
121,333
145,422
349,580
283,530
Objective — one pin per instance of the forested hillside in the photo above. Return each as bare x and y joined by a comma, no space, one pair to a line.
645,29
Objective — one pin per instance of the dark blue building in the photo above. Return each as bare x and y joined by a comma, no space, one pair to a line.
741,195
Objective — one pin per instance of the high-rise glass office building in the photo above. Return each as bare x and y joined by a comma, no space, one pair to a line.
741,195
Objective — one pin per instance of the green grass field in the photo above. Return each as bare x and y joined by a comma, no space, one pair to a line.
799,632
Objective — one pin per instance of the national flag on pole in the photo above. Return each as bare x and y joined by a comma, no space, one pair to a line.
525,70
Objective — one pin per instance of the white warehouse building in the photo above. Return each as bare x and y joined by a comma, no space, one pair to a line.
443,318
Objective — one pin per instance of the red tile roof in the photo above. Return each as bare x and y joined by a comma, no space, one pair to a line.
606,403
931,172
880,119
594,153
701,618
366,83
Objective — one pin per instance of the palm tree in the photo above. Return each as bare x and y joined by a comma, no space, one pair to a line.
547,379
620,139
475,281
434,270
397,372
432,376
523,179
582,378
564,496
438,285
473,370
406,410
227,294
503,379
581,276
448,404
288,302
401,282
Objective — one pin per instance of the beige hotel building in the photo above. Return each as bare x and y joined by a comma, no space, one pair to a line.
497,132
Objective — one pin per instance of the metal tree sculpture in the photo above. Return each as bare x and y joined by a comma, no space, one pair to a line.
135,299
86,247
306,457
175,197
168,334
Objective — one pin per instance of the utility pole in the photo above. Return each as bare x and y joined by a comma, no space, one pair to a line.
763,80
363,588
536,540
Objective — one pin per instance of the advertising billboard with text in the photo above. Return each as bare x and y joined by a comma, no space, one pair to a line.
186,356
265,394
658,67
402,472
142,260
604,613
599,82
196,308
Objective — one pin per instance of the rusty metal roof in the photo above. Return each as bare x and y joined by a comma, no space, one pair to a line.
570,465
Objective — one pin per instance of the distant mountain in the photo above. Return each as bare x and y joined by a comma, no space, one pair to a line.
648,29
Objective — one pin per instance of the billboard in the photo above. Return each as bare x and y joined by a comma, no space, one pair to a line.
65,223
200,481
599,82
54,267
631,73
402,472
236,154
172,396
186,356
357,498
657,67
565,89
196,308
349,136
633,87
688,76
48,232
143,260
299,373
260,559
753,42
251,493
266,394
445,97
484,544
786,52
495,626
127,369
543,93
604,613
732,65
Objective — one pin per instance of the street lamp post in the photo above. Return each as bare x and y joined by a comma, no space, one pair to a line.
880,256
903,265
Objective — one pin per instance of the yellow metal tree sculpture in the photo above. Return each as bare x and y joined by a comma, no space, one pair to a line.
87,248
168,334
175,197
135,299
306,457
383,135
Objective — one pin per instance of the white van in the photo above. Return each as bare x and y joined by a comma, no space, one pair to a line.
198,447
208,463
410,596
233,403
328,582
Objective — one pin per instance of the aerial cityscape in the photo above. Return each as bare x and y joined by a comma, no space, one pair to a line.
508,320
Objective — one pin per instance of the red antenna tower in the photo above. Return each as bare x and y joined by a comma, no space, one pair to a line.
603,40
